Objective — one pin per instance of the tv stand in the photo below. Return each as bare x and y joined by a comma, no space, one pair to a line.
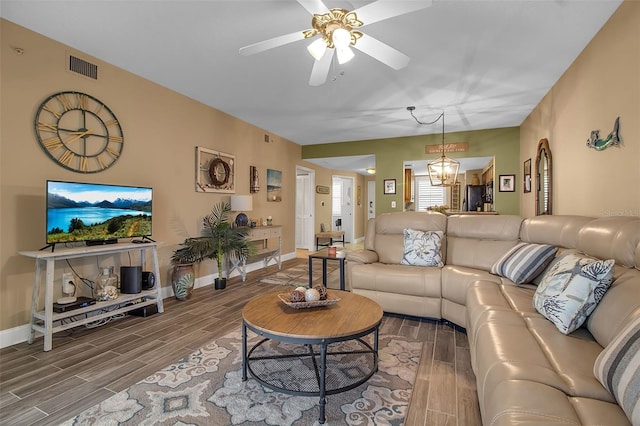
47,321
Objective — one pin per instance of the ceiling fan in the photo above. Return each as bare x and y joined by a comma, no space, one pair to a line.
339,30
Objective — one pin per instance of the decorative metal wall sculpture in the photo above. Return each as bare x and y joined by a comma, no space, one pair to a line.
613,139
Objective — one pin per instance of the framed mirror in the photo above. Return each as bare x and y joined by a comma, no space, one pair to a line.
544,178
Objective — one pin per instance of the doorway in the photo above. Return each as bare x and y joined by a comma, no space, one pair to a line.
305,207
342,205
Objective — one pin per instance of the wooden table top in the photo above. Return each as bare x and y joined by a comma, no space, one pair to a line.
351,315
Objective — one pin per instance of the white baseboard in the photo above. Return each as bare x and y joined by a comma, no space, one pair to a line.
13,336
359,240
19,334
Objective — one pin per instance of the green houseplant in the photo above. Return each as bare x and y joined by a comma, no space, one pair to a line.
217,240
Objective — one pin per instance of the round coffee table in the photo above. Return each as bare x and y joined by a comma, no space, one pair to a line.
307,334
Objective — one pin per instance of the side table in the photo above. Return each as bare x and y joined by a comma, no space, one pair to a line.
325,257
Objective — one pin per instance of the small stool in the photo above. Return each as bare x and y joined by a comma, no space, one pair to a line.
338,236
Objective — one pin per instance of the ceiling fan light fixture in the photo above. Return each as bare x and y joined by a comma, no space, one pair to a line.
317,48
344,55
341,38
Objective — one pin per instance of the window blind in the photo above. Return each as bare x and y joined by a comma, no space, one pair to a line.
427,195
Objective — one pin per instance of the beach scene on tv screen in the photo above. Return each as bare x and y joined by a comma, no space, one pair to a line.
81,212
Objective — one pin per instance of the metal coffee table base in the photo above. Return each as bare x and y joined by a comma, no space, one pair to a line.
317,360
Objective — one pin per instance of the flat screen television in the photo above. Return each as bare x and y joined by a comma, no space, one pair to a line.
97,213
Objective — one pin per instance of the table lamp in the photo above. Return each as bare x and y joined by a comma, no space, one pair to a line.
241,203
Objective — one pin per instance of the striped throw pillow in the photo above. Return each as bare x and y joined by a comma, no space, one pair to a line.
524,262
618,369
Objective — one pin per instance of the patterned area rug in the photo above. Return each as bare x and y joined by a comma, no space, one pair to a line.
206,388
299,275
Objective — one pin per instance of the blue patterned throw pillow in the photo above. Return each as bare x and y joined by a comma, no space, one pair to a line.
524,262
422,248
572,289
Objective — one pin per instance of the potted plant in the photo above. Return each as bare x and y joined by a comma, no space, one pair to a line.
218,239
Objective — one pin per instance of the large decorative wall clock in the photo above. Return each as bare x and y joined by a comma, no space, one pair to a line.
78,132
215,171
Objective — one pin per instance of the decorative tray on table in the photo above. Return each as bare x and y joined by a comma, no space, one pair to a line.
330,300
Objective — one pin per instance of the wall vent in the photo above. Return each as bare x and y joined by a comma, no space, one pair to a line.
83,67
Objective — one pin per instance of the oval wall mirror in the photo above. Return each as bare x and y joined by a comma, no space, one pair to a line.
543,178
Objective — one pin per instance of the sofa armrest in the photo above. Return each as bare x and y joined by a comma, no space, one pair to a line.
362,256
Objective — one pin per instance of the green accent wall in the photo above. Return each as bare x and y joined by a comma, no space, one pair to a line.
503,144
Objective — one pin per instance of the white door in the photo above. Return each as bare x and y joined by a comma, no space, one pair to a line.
371,199
304,208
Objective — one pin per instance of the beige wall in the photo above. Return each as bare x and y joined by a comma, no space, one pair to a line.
161,128
602,84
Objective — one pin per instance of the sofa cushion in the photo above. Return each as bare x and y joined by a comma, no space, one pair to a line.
389,238
618,369
479,241
422,248
561,231
571,290
524,262
619,306
613,237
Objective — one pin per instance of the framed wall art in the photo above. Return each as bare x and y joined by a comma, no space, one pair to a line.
254,180
389,186
274,185
215,171
507,183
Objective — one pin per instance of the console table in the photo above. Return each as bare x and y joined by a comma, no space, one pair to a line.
46,321
266,253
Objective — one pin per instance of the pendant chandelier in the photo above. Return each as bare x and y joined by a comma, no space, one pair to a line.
443,171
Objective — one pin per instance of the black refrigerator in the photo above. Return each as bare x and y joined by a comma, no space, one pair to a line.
474,198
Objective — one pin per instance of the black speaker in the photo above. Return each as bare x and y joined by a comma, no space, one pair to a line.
148,280
130,279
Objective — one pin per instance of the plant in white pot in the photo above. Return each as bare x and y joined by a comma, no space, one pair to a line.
218,239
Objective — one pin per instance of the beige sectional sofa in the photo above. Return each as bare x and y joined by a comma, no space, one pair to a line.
527,371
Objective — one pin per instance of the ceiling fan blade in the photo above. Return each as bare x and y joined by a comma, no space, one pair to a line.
385,9
314,6
261,46
382,52
321,69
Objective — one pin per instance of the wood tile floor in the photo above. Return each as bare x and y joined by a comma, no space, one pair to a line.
87,366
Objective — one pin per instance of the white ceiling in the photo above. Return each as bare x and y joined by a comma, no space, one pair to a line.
485,63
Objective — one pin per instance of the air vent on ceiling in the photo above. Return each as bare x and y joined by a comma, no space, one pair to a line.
83,67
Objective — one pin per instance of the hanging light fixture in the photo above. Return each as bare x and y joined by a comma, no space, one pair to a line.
336,29
444,171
